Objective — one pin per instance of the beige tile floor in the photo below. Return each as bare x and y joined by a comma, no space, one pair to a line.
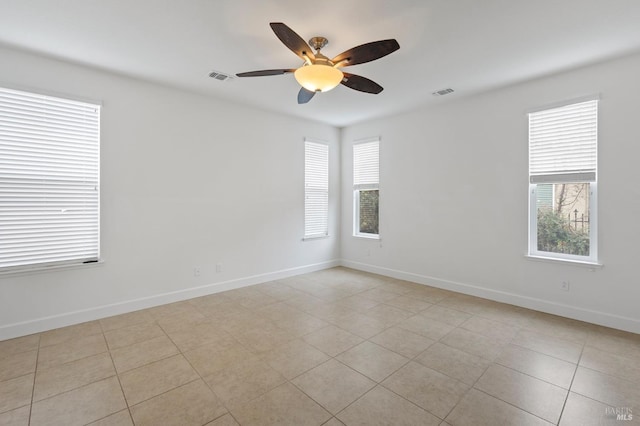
332,347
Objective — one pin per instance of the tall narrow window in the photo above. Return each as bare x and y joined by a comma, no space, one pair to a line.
562,182
316,189
49,180
366,193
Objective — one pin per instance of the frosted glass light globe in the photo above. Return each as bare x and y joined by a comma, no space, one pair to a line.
318,78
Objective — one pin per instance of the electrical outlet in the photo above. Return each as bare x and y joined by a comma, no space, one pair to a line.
196,271
564,285
219,267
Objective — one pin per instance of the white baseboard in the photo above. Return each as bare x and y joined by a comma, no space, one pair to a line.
568,311
70,318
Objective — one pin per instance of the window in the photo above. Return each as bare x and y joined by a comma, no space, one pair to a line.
316,189
366,193
562,182
49,180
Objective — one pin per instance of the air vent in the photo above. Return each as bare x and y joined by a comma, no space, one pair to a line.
217,75
442,92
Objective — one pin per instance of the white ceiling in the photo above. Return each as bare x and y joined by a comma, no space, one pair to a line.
468,45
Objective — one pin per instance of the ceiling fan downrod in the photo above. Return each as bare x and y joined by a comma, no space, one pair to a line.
318,43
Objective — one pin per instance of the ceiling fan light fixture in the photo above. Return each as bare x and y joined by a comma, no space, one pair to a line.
321,74
318,77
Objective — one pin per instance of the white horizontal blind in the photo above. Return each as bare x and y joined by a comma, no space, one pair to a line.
563,143
366,165
49,180
316,189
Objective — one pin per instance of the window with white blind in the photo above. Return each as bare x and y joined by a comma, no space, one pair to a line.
49,181
316,189
563,146
366,193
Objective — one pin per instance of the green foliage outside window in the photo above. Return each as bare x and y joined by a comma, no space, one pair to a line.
556,235
369,211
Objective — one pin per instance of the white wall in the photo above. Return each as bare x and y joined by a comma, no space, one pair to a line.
454,197
186,181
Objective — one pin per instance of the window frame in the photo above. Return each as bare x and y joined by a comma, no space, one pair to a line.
566,177
365,187
75,130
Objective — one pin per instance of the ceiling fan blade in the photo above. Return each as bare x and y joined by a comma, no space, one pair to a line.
366,52
263,73
305,95
293,41
361,84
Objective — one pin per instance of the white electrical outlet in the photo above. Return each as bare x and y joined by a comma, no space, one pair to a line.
196,271
219,267
565,285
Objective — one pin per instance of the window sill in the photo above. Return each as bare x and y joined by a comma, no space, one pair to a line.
368,236
581,263
317,237
26,270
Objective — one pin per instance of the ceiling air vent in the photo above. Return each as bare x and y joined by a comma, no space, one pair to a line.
442,92
217,75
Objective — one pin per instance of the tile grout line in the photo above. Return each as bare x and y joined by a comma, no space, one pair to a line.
509,403
79,387
534,377
35,372
414,358
379,383
153,362
309,396
515,406
290,381
199,375
491,362
599,372
115,370
571,384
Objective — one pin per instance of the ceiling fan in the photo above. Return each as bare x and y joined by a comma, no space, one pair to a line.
321,74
